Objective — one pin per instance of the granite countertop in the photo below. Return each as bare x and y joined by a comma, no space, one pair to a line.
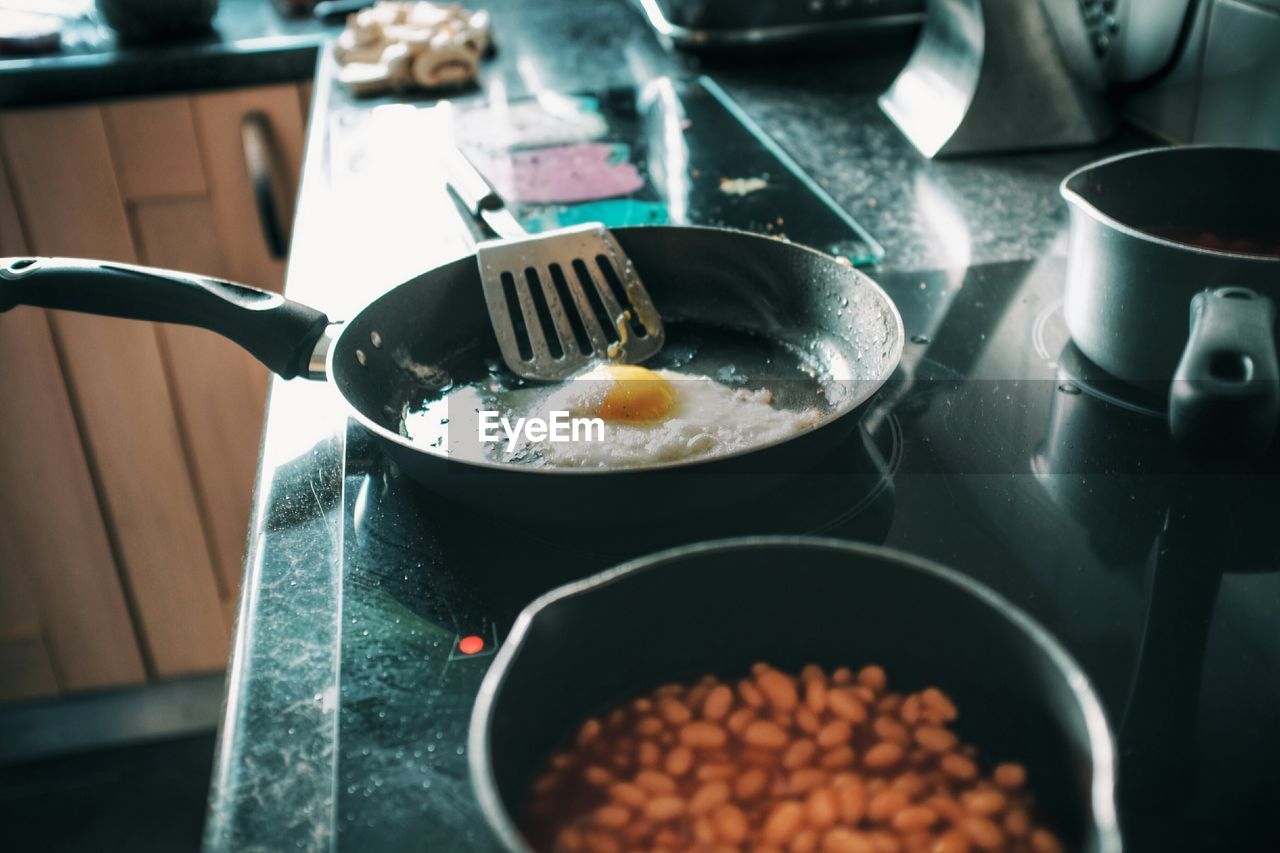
251,44
275,779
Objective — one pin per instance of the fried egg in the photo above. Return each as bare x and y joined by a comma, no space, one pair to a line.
642,417
659,416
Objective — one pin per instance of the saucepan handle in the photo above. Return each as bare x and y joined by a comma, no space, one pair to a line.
278,332
1225,396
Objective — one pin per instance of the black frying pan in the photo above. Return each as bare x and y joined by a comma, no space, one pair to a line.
395,351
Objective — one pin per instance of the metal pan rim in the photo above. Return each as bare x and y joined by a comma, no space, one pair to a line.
1077,200
1101,741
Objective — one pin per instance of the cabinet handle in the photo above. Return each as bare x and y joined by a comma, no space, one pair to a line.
264,174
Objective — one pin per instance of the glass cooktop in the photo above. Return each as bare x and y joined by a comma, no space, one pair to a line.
996,449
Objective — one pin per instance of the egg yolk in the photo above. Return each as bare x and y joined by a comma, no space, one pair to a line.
631,393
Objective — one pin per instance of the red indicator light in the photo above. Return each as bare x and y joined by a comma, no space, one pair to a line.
470,645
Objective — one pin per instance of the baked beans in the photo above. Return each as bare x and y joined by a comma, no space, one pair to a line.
819,763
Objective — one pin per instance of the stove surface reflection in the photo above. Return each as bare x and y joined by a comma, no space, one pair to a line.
994,450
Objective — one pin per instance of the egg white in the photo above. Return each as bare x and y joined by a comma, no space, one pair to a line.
706,419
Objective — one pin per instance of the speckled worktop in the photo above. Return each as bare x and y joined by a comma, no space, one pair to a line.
276,780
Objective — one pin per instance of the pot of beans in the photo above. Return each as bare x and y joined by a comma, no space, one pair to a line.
788,694
1173,272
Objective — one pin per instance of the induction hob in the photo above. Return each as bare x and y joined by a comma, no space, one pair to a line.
996,449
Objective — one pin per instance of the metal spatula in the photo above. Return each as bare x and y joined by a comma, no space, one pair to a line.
559,300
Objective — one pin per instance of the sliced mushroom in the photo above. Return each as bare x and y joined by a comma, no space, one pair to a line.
348,48
365,78
444,63
432,45
397,58
477,34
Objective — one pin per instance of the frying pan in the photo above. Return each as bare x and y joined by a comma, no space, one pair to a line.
718,607
435,328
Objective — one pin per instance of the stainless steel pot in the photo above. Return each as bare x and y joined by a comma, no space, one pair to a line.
1152,244
721,606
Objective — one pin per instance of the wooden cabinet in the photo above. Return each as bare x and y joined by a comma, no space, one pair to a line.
128,449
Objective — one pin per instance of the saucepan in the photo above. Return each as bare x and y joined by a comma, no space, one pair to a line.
433,331
1173,271
719,607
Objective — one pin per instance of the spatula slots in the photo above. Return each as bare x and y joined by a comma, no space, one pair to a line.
558,300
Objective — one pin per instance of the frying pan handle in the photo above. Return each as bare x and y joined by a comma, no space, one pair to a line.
278,332
1225,396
